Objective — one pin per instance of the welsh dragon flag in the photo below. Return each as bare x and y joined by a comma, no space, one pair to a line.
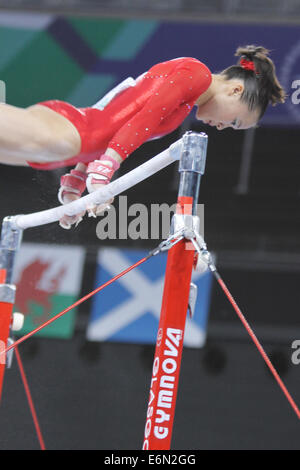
48,279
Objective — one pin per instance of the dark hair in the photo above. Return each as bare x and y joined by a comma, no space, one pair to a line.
261,84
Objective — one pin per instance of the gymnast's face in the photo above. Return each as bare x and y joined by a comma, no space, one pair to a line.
224,107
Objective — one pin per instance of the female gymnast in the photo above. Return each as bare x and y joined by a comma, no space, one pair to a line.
55,134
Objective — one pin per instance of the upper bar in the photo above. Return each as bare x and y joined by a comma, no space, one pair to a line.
102,195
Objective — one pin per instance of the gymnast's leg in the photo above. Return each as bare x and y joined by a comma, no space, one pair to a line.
36,134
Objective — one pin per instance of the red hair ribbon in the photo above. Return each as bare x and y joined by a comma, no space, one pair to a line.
248,65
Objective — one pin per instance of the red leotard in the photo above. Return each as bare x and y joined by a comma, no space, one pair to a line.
158,103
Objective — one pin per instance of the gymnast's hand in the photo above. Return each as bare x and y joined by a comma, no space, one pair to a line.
100,173
72,185
67,220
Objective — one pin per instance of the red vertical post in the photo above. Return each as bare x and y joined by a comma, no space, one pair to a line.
167,359
9,244
6,309
168,352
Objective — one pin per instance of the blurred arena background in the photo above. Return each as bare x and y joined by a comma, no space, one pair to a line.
93,394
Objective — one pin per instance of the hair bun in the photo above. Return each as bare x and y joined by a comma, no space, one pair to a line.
262,87
252,51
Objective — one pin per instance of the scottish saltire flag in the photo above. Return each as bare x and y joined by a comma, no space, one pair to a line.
48,280
128,310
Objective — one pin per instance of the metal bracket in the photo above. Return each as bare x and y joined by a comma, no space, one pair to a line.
203,252
10,353
11,238
167,244
7,293
193,157
186,224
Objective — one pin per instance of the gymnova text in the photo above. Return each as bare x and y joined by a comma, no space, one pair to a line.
138,221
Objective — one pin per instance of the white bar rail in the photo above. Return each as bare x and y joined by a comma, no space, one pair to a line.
102,195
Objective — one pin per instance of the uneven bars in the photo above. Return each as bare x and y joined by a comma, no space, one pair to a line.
102,195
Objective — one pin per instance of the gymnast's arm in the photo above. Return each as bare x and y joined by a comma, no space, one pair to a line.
37,133
164,111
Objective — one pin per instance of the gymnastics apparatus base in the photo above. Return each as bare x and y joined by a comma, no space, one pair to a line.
186,251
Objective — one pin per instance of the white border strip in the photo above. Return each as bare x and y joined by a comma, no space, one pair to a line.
33,21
